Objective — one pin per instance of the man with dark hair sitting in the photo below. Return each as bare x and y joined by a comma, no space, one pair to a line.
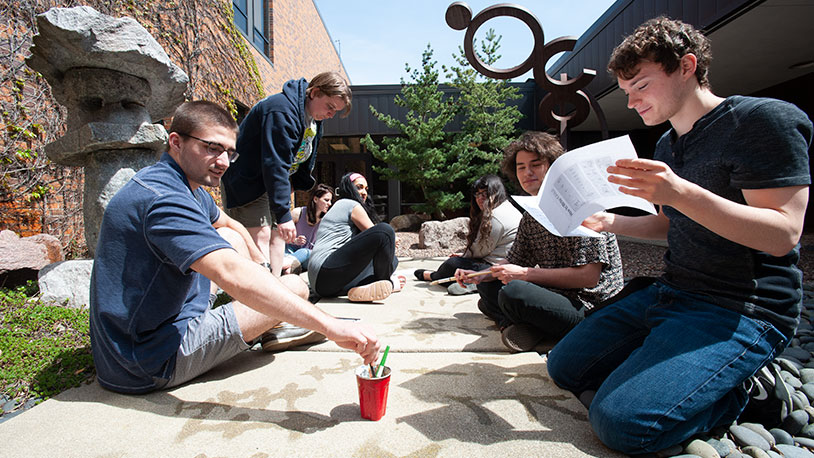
161,242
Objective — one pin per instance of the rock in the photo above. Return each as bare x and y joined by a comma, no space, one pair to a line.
733,447
721,448
754,452
408,223
758,428
21,258
807,431
702,449
781,436
773,454
746,437
9,406
82,37
115,81
791,380
807,375
799,400
792,367
796,353
789,451
52,246
804,441
794,422
67,282
808,390
440,234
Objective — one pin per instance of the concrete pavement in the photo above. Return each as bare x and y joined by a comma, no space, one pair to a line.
454,391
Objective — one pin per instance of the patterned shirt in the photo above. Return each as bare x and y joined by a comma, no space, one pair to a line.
306,147
536,247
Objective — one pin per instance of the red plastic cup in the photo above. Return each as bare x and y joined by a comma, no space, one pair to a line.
372,392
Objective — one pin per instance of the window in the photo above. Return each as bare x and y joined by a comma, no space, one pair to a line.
251,17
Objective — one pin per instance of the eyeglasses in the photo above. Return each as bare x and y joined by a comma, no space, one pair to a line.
215,149
481,194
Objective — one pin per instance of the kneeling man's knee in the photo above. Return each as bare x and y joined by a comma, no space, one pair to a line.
624,427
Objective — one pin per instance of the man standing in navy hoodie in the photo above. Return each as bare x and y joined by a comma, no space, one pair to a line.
277,150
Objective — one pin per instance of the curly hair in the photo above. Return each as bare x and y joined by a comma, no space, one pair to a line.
480,222
546,146
664,41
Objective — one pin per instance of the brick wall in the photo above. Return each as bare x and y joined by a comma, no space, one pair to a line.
301,47
194,33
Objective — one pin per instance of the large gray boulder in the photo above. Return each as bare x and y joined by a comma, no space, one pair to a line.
443,234
115,81
83,38
67,283
408,223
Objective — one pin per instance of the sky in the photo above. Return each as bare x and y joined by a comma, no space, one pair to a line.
376,38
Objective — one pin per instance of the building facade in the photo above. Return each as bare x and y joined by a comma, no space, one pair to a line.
235,52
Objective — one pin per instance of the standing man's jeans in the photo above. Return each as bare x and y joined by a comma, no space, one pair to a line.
665,365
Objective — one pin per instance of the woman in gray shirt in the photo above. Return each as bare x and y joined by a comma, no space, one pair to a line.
355,254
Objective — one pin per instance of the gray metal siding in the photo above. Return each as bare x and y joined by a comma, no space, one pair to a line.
595,45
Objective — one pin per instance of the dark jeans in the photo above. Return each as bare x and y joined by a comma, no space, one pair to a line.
448,268
522,302
377,245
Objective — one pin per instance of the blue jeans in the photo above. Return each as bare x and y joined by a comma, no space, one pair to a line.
665,365
302,254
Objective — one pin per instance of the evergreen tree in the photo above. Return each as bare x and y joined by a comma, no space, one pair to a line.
488,123
439,163
420,156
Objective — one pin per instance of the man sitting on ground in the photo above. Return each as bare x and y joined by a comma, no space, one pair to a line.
161,244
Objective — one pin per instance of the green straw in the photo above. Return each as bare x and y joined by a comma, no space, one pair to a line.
384,358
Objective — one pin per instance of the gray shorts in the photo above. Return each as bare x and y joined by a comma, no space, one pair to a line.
254,214
211,339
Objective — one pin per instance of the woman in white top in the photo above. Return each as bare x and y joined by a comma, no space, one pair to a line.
493,224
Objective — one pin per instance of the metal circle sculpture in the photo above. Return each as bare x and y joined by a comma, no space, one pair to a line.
561,93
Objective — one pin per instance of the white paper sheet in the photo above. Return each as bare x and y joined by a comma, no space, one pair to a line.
576,186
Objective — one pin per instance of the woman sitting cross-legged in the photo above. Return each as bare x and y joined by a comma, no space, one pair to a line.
493,224
354,253
306,220
548,282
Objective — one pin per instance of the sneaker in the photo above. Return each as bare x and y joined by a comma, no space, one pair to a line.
457,290
769,397
520,337
375,291
285,336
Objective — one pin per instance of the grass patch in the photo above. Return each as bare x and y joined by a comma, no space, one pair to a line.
44,348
